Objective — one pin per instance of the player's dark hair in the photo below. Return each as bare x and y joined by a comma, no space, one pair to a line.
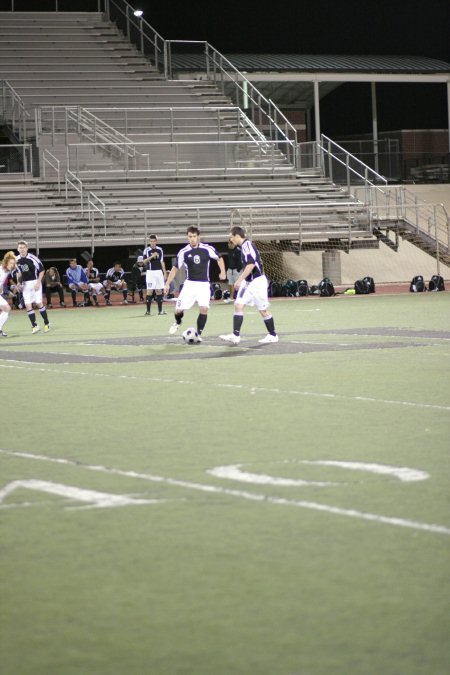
117,263
238,230
153,236
193,229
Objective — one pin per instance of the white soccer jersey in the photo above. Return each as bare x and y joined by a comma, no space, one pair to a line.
4,274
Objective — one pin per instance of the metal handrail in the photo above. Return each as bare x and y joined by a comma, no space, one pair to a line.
396,202
17,106
73,181
27,158
134,150
217,66
54,163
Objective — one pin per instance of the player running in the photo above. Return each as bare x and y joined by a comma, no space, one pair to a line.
31,273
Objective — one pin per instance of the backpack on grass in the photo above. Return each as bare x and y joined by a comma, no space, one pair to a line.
326,288
436,283
361,287
302,287
417,284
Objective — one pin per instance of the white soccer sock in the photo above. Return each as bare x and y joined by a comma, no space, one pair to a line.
4,316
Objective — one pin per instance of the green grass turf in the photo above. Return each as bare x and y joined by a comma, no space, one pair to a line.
242,578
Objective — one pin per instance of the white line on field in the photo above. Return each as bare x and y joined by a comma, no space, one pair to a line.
212,489
222,385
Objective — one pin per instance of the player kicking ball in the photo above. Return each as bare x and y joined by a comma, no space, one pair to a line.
251,286
195,258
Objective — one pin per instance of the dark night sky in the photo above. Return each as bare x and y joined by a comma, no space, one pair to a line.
416,27
408,27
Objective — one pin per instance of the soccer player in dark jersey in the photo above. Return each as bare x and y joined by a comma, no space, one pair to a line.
31,274
156,273
195,258
251,286
115,278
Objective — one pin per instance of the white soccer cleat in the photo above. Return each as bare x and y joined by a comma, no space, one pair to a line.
35,329
231,337
173,328
269,338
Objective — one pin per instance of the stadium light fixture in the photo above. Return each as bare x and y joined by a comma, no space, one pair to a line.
138,12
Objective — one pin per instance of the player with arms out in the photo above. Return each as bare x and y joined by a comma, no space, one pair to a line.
31,274
7,265
196,258
156,273
251,286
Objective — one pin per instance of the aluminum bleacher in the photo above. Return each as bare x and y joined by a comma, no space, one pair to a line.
123,149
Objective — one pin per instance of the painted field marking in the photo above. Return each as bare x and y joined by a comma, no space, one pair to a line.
222,385
403,473
234,472
94,499
212,489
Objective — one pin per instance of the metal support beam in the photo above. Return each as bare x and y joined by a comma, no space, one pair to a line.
317,110
374,124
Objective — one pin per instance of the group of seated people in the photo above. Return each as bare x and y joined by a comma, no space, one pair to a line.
89,282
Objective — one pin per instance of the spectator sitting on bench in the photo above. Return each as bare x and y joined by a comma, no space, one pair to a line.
77,281
52,282
115,279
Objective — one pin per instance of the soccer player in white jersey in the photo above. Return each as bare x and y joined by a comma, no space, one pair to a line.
195,258
6,267
251,286
31,273
156,273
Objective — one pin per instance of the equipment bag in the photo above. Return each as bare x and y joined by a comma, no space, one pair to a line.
302,287
326,288
275,289
436,283
289,289
361,288
417,284
370,283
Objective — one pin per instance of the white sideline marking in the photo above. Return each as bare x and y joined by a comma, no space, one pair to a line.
349,513
234,472
96,500
221,385
403,473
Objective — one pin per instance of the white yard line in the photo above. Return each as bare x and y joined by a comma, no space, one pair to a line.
218,490
221,385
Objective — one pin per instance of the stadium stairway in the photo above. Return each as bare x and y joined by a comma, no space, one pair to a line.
56,61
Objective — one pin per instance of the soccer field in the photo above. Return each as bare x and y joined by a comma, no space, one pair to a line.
276,509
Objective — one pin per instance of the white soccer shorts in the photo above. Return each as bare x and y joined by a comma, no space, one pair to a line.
194,292
30,294
154,280
97,287
254,293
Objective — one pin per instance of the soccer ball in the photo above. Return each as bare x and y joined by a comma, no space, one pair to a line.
190,336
